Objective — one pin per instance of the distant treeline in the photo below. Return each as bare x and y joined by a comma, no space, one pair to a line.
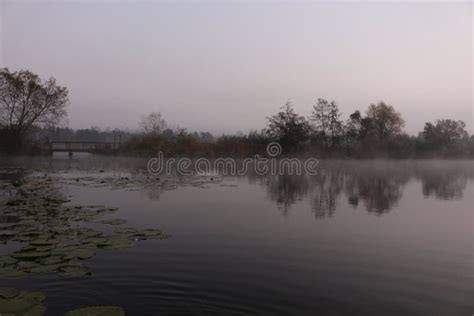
378,133
31,110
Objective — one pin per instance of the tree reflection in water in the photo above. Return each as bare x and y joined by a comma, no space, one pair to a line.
447,183
377,186
286,190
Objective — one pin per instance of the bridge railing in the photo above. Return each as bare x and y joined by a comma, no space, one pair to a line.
83,146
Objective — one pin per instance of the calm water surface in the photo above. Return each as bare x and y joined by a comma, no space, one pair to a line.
367,238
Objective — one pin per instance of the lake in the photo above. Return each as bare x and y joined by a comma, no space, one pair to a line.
360,238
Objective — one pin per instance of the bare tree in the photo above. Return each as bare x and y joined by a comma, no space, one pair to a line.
154,124
26,101
326,119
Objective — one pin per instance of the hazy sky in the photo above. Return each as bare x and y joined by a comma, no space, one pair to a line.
225,67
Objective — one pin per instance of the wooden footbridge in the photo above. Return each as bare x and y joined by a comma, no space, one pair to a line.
88,147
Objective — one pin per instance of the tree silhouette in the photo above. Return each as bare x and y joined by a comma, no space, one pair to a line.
154,124
26,101
326,120
385,122
288,128
444,135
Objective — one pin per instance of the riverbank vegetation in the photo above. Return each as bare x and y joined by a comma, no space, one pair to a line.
31,111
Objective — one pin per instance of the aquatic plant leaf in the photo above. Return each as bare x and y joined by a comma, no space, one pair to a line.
37,310
115,243
14,202
89,233
7,225
46,268
116,221
21,303
8,260
8,232
108,210
97,311
8,292
149,232
159,237
126,230
10,272
51,260
28,248
26,265
83,253
39,248
94,240
45,242
63,248
31,254
74,271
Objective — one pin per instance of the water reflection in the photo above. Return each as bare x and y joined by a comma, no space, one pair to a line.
328,187
378,187
286,190
445,184
378,191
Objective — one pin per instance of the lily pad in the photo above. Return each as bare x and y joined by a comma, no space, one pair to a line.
116,221
116,243
108,210
97,311
45,242
62,249
26,265
83,253
11,273
8,260
28,248
51,260
89,233
94,240
8,292
37,310
31,254
46,268
44,248
126,230
21,304
74,271
7,225
8,232
149,232
160,237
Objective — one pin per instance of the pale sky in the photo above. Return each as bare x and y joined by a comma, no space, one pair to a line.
225,67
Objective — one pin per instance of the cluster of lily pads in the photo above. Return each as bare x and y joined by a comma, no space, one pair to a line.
138,181
36,214
14,302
